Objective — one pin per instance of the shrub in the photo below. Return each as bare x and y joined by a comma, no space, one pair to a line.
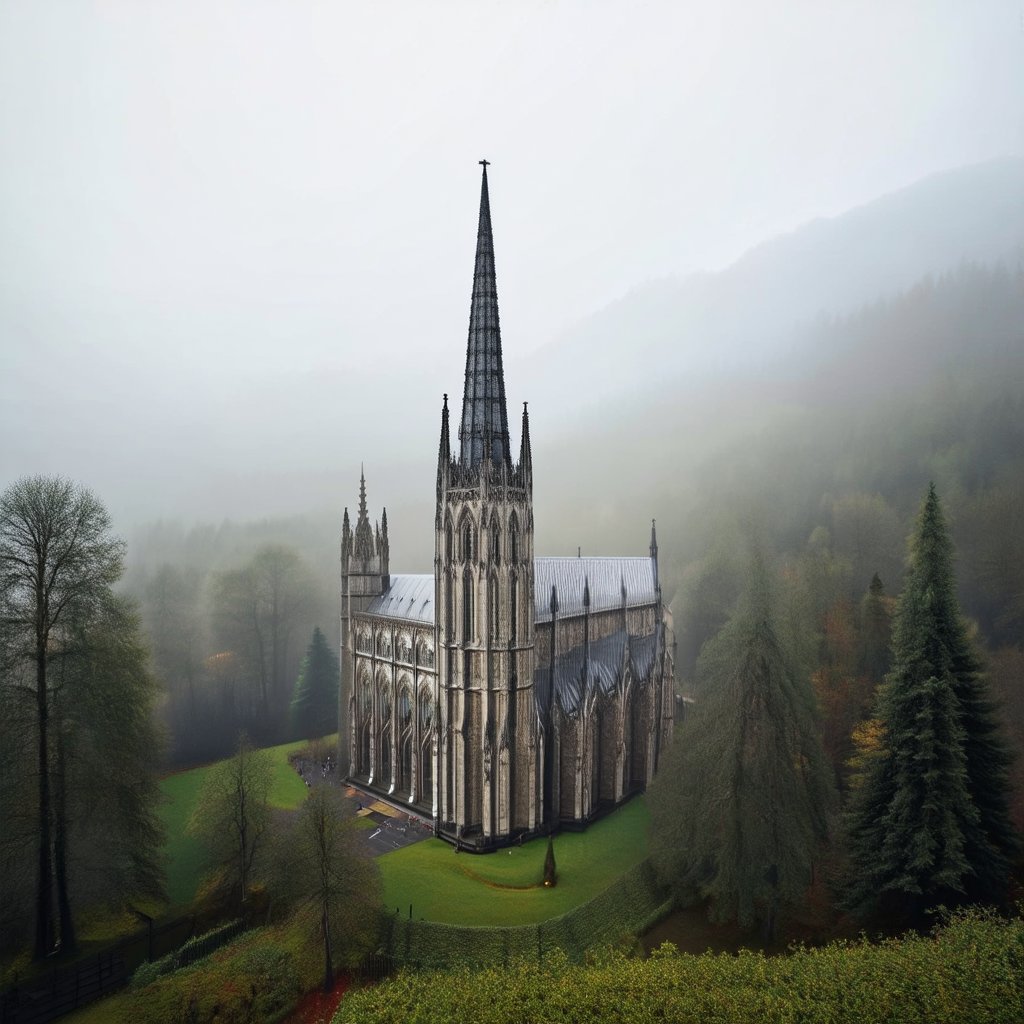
971,971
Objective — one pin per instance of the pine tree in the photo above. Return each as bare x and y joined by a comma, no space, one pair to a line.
744,799
314,706
930,823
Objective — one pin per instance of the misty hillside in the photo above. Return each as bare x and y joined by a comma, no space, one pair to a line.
692,329
826,455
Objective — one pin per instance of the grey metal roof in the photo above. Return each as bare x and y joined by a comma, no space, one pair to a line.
604,665
604,577
410,596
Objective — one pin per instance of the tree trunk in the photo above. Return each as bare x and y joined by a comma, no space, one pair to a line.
44,877
328,960
68,939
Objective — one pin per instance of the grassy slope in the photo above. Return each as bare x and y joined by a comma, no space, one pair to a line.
468,889
185,854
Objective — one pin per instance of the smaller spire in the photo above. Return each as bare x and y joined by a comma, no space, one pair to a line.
623,591
525,454
554,600
364,545
586,592
346,538
445,446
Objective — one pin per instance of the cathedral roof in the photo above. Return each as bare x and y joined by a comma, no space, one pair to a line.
597,669
604,577
410,597
483,433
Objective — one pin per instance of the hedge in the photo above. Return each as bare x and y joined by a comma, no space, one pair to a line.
970,971
196,948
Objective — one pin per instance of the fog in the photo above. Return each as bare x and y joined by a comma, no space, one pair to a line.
236,239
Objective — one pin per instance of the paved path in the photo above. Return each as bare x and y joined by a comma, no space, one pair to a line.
394,826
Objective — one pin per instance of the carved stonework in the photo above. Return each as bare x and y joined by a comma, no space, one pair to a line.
494,712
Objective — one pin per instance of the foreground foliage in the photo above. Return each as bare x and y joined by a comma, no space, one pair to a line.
257,977
971,970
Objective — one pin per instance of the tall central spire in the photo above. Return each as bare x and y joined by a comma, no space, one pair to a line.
484,430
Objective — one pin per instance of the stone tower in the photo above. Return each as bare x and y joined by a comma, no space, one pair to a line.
484,591
364,576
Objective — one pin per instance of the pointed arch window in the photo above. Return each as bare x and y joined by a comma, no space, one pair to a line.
495,605
426,711
513,541
467,607
495,543
467,543
449,543
513,608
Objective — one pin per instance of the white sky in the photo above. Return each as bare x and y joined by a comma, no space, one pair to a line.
205,206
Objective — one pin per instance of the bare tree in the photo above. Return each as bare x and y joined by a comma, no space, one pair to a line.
232,815
323,865
57,562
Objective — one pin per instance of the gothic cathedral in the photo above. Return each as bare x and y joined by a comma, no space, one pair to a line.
504,695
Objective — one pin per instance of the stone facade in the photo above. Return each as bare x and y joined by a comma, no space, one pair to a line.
504,695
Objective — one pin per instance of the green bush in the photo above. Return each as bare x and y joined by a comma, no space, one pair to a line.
257,977
969,972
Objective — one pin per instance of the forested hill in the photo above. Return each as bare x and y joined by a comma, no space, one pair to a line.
925,385
691,329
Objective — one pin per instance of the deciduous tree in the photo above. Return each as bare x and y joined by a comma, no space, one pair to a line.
322,865
58,561
232,816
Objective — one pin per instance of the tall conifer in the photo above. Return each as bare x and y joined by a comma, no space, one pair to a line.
314,706
930,824
743,800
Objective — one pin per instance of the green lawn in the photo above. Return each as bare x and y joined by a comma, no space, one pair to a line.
503,888
185,854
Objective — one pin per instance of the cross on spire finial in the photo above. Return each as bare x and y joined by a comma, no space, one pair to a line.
484,164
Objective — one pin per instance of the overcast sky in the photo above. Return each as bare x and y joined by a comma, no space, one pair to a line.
205,206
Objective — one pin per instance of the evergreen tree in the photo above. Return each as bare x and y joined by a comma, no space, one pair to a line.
930,823
744,798
314,707
550,871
